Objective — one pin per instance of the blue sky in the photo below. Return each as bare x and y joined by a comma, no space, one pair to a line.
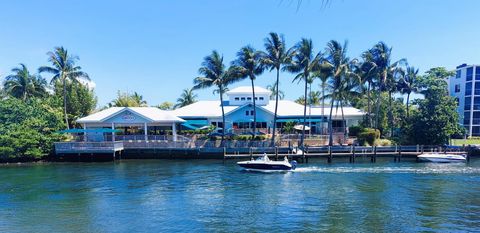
156,47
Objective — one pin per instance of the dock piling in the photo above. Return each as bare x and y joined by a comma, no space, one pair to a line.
330,157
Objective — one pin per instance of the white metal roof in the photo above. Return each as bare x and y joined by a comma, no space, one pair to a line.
152,113
286,108
248,90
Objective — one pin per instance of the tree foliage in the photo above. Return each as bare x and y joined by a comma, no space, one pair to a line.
27,129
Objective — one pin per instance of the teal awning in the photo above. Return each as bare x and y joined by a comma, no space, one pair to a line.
195,124
89,131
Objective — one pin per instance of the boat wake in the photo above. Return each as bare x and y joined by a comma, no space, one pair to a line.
437,169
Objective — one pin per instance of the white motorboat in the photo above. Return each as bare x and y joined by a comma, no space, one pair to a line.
441,157
263,163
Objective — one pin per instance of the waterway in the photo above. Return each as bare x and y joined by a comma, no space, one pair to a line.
206,196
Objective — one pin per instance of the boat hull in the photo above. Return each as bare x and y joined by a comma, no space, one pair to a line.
441,158
265,167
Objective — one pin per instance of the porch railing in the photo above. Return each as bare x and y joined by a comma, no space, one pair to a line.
86,147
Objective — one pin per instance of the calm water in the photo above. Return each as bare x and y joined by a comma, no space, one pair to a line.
198,196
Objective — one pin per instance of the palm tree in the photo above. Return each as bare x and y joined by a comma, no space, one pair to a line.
215,75
381,54
124,99
248,65
365,71
273,96
339,63
275,58
186,98
304,62
408,84
63,68
24,85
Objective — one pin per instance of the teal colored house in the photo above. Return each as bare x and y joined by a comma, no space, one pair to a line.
239,113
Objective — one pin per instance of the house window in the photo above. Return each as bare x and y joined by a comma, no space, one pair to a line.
477,73
237,99
466,118
249,98
458,101
261,98
251,112
469,73
256,98
458,75
457,88
243,98
468,89
247,113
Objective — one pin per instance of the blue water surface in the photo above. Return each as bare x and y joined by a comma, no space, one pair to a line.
207,195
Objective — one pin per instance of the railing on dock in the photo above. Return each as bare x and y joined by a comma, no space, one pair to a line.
88,147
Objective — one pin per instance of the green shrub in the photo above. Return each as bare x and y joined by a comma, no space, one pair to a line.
383,142
368,136
242,137
353,131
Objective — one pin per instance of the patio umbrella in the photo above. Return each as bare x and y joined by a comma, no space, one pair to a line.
300,127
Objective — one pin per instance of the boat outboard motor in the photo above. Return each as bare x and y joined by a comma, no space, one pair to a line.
294,164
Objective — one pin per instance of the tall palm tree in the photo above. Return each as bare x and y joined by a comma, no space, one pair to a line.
63,68
323,73
215,74
365,71
248,65
381,55
339,63
186,98
275,57
273,89
304,62
24,85
408,84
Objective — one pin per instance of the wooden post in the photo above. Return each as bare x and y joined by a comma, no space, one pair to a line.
353,154
251,153
224,154
329,160
276,153
305,155
399,154
422,149
374,156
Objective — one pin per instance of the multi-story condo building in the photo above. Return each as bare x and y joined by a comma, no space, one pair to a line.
465,87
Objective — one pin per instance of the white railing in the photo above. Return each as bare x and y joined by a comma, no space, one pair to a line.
80,147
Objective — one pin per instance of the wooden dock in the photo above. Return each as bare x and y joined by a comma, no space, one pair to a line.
350,152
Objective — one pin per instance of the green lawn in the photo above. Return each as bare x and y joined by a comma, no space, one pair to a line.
459,142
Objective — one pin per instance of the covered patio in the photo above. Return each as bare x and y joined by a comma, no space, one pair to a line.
130,124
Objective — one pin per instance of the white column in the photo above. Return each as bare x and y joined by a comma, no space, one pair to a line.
145,129
113,133
174,132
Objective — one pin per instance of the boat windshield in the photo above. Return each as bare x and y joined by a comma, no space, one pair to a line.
263,158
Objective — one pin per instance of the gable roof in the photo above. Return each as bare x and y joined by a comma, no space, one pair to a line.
151,113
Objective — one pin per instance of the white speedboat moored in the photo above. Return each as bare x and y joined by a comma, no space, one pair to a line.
441,157
263,163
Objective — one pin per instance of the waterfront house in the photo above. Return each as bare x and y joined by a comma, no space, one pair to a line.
239,113
131,124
